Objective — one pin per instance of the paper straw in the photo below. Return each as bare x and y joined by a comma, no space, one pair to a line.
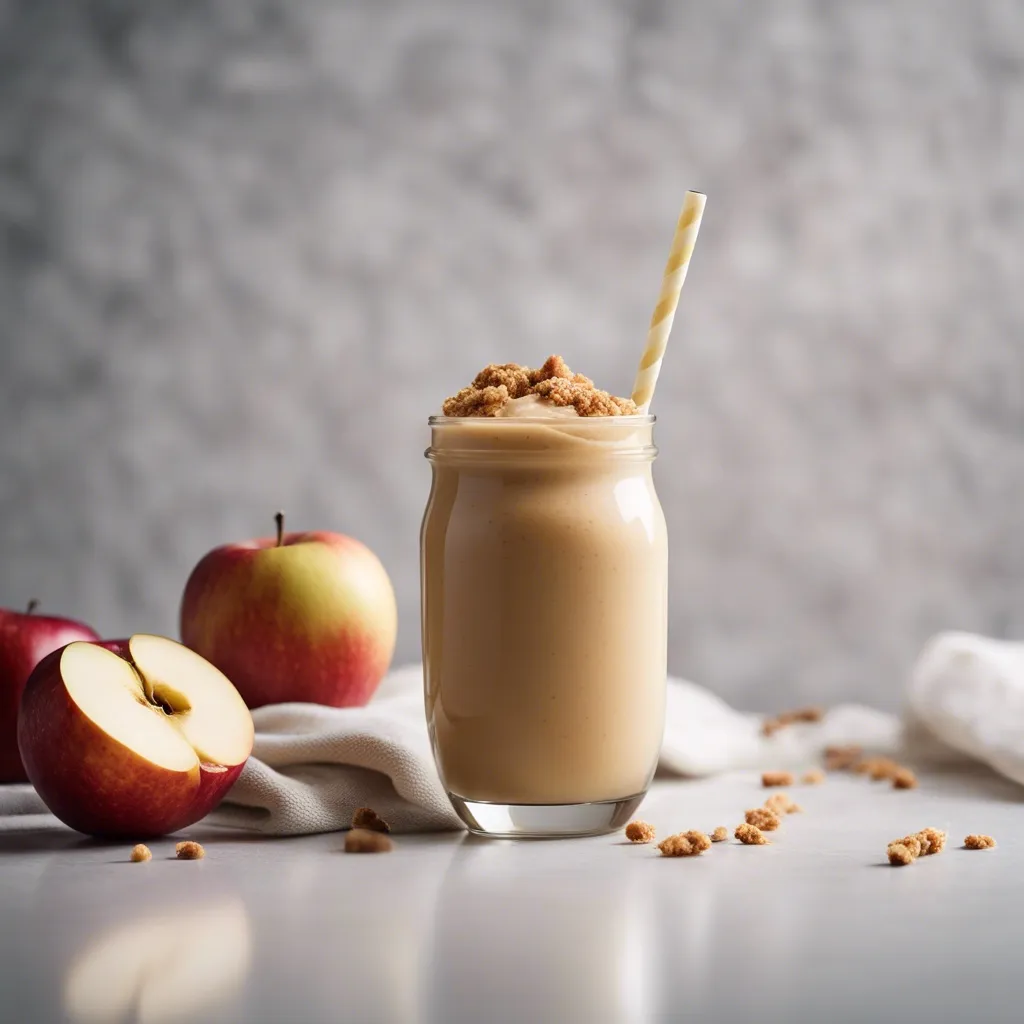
665,311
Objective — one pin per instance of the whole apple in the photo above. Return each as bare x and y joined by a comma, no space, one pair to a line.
305,617
131,738
25,639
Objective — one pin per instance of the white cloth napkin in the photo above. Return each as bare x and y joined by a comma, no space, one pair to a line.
312,765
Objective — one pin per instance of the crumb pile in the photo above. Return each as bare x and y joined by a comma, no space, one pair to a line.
140,853
189,850
498,384
777,779
720,834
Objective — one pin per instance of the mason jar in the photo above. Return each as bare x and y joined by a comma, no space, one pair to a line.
544,570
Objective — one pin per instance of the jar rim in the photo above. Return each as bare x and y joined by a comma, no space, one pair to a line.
637,420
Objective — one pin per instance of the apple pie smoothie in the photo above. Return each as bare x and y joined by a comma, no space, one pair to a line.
544,573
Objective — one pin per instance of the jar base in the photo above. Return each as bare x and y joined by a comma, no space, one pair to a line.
545,821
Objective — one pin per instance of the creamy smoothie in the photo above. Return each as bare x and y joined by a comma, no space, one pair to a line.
544,571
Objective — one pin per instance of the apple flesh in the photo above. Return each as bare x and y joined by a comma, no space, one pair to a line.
131,738
25,639
307,617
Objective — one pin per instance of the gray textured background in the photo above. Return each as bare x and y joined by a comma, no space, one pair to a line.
247,247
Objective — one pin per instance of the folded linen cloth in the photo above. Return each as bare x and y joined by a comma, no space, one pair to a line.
312,765
966,698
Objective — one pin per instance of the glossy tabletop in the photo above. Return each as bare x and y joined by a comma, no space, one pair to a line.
448,928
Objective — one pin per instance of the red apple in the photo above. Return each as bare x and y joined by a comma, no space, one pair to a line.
300,617
25,639
131,738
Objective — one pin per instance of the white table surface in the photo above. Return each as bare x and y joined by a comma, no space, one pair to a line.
448,928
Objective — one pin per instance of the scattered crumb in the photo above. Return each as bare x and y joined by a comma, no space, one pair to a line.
367,817
815,777
685,844
842,759
912,843
498,384
782,803
140,853
363,840
750,835
640,832
699,839
904,778
780,721
763,818
978,842
189,850
900,855
880,768
932,841
777,779
720,834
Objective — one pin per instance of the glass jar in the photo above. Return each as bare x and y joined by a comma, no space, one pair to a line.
544,569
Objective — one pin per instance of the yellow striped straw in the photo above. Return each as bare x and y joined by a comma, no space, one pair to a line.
665,311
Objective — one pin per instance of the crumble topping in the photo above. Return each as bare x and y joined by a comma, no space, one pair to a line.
500,383
141,852
189,850
720,834
777,779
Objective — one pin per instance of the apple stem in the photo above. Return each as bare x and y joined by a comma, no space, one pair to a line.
279,519
32,606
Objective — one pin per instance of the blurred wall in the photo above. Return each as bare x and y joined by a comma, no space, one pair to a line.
247,247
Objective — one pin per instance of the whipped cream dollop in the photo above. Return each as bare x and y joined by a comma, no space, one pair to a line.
535,406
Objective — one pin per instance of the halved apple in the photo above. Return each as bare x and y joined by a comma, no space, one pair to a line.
131,738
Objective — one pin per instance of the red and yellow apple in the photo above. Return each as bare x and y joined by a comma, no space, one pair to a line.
305,617
131,738
25,639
